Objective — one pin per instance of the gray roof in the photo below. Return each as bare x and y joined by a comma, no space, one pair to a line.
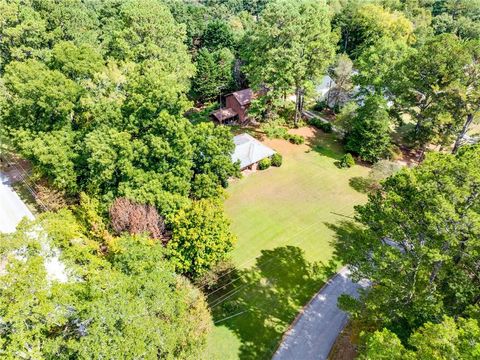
249,150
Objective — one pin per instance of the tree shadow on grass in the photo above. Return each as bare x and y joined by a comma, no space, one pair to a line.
263,301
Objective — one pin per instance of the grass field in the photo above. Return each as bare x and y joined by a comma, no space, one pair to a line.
281,216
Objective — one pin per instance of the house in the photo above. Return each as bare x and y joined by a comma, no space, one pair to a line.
249,151
236,107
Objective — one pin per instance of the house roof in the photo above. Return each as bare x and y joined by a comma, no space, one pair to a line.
249,150
223,114
244,96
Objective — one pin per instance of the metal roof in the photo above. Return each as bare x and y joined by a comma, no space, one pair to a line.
249,150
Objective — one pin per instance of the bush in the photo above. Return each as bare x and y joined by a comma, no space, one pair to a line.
347,161
264,163
295,139
320,124
320,105
274,129
277,160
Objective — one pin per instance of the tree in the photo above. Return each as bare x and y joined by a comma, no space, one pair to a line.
369,130
218,35
39,98
376,62
129,303
437,86
212,150
127,215
289,47
77,62
341,92
53,154
23,32
363,24
200,238
419,245
448,339
214,74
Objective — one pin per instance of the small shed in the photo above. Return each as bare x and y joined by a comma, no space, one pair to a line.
249,151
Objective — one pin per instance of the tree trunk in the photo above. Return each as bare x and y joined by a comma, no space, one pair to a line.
297,106
460,136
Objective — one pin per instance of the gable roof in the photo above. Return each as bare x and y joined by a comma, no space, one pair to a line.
244,97
249,150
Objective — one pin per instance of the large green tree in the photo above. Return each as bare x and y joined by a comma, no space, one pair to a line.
290,47
368,131
201,238
128,304
420,245
437,86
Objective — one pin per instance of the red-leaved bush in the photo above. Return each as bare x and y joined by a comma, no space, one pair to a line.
127,215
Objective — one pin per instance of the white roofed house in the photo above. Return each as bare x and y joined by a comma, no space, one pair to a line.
249,151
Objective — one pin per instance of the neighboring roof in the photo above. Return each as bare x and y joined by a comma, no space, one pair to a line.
249,150
224,114
244,96
326,84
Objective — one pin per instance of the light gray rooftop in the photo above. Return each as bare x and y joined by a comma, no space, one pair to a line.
249,150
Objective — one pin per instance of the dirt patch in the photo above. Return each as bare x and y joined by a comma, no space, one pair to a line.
345,348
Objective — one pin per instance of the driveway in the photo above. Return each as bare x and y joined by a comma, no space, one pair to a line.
315,330
12,208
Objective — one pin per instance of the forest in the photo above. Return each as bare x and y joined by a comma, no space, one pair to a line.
109,102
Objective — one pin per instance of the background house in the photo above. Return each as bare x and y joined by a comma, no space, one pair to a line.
236,107
249,151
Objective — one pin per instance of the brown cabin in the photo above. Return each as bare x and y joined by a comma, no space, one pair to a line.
236,107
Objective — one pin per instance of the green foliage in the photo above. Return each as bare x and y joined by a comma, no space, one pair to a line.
214,73
369,130
39,98
200,239
364,23
431,212
76,62
274,129
275,48
347,161
432,87
45,318
218,35
264,163
53,154
453,339
277,160
295,139
321,124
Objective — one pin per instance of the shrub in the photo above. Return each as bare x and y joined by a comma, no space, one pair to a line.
295,139
320,124
320,105
347,161
264,163
274,129
277,160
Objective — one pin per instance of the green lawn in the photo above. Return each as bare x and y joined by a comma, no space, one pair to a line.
281,217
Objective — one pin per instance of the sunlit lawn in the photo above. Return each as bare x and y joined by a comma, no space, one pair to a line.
281,217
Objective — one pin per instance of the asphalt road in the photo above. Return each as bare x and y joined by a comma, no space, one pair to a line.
12,208
316,328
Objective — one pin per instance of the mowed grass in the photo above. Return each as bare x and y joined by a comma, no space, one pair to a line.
281,217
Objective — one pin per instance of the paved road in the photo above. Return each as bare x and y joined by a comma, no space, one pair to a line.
316,328
12,208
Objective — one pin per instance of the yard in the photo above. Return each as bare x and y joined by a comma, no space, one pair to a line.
281,216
